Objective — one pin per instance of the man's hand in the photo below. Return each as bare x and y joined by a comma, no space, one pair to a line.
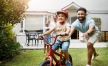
86,35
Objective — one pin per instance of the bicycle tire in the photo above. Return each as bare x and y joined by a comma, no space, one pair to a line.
46,63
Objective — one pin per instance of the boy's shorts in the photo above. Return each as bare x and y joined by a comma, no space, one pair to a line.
94,37
63,44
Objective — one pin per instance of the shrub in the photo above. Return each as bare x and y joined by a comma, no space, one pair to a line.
8,47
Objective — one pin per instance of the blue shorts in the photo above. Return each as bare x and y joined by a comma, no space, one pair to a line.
63,44
48,38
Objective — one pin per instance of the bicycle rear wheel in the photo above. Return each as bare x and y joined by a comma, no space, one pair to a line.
46,63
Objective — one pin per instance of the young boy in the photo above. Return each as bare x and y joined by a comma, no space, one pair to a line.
62,27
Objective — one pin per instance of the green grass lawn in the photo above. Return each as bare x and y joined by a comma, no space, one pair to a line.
35,57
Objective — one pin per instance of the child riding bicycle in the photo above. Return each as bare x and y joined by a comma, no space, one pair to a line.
62,27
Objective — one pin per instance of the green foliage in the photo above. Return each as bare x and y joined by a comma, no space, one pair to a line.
98,22
11,12
97,19
8,47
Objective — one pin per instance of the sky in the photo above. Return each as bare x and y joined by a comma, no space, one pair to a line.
47,5
54,5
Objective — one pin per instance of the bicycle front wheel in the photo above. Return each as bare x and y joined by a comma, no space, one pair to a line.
46,63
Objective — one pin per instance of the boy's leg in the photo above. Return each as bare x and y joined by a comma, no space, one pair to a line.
58,50
56,45
65,46
66,54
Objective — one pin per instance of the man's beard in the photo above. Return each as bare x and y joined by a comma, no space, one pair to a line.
82,19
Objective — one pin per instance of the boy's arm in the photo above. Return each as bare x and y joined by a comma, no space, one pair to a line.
49,31
68,30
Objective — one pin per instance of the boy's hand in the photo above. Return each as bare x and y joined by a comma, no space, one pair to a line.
41,35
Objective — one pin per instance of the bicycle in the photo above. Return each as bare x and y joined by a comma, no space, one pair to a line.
50,58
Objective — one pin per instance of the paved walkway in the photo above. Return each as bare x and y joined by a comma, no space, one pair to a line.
73,44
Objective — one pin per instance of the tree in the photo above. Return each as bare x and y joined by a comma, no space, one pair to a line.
11,12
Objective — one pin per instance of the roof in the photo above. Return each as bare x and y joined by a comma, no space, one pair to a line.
76,6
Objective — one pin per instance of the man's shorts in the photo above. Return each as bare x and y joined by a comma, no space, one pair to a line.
63,44
94,37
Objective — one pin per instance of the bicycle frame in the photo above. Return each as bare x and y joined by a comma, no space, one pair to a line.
51,54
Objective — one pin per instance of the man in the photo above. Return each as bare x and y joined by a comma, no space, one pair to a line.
90,32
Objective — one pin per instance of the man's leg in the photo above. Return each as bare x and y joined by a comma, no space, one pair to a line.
94,51
90,50
94,54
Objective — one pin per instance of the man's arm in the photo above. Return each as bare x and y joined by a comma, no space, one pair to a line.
71,31
90,30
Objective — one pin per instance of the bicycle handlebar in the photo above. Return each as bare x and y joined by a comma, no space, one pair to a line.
54,39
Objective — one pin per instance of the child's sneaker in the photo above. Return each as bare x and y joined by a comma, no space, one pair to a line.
68,63
94,56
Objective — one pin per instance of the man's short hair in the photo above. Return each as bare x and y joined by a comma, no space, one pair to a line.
82,9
